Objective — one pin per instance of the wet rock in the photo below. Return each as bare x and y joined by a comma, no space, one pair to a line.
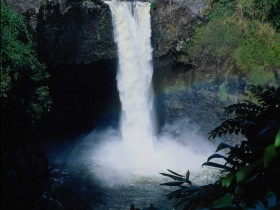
25,177
72,189
80,33
173,22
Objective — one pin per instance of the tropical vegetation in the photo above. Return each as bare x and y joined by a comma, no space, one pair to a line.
246,31
24,92
250,172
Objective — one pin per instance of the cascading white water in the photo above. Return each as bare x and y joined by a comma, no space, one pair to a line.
135,150
132,33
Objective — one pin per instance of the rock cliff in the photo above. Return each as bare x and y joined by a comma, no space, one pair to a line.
70,31
173,22
80,31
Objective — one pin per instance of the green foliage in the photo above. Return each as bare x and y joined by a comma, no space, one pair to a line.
258,122
277,140
153,5
222,202
243,31
248,114
268,203
24,94
177,177
251,169
254,161
219,41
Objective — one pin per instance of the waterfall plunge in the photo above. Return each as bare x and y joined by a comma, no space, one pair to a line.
132,33
135,150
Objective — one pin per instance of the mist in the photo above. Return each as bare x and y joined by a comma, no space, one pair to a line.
179,147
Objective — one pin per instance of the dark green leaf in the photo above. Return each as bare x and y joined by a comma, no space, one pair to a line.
269,154
180,202
224,201
175,173
58,205
223,146
188,175
239,189
173,194
173,183
177,178
216,156
190,189
227,181
277,139
244,173
216,165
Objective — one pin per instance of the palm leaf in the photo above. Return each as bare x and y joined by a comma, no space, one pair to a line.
216,165
177,178
216,156
172,183
175,173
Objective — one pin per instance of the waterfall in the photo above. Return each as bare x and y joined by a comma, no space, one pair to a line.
132,33
134,150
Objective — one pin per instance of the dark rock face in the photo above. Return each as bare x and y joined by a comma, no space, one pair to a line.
23,6
24,177
79,33
172,23
69,31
